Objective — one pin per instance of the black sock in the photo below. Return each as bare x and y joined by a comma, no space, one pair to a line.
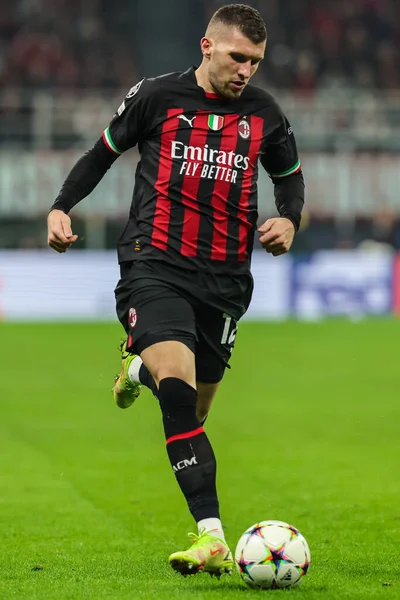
189,450
147,380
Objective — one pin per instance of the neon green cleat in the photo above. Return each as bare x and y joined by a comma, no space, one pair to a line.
207,553
125,391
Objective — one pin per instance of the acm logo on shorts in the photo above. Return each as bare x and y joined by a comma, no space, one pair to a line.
132,317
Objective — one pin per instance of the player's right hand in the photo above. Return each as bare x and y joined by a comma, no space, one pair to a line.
60,236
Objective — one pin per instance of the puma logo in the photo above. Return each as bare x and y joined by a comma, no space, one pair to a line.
190,121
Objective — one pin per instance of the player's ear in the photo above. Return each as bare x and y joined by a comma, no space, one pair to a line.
205,45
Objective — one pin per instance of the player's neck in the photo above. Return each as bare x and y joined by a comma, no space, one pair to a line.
202,79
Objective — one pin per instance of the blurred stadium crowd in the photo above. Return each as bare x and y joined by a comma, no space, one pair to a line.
81,43
68,48
65,44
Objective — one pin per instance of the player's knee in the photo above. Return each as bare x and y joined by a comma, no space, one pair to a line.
178,406
177,371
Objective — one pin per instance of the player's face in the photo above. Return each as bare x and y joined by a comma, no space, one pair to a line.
233,60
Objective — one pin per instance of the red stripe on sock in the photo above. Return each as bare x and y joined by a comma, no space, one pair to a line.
184,436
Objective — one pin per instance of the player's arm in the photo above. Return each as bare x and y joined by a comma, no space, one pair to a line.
280,159
125,131
82,180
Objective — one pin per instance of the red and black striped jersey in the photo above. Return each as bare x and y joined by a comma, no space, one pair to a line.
195,196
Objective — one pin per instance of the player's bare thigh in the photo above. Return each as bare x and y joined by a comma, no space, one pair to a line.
170,359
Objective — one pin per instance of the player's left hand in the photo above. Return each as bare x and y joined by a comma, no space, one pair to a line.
277,235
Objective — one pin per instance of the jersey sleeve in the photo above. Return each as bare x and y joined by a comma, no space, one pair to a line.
132,120
278,153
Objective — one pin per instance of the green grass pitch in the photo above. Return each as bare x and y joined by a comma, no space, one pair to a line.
305,427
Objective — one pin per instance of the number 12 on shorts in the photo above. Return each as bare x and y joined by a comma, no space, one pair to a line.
229,332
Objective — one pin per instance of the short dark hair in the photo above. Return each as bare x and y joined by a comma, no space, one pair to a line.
247,19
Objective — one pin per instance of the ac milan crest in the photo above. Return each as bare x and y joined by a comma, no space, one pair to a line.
244,129
132,317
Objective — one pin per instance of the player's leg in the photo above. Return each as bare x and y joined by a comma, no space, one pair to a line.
172,365
216,337
170,359
163,333
127,385
134,373
205,395
213,351
125,390
212,355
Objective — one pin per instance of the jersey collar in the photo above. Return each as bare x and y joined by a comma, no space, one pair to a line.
190,74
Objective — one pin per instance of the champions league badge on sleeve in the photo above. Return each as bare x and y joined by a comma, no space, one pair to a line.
134,90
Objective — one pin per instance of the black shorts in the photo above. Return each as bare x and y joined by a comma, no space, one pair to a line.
152,311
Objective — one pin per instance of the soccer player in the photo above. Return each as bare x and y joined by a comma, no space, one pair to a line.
185,252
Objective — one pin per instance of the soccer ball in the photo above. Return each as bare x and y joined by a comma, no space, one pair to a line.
272,554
